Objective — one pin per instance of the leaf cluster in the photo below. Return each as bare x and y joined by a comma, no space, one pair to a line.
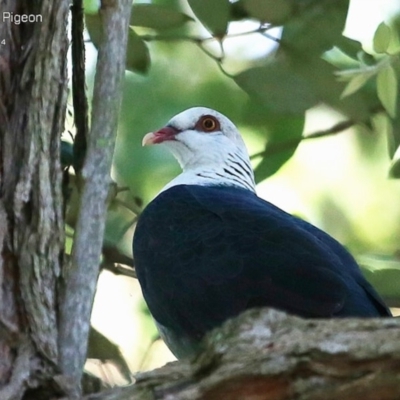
313,64
306,70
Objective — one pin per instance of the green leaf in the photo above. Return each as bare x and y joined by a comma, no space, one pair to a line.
394,170
366,59
394,46
137,53
387,89
213,14
278,87
237,12
382,124
394,140
284,136
394,145
320,78
316,26
137,56
350,47
272,11
356,83
157,17
298,81
382,38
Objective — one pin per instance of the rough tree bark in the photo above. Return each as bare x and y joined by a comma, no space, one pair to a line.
267,355
81,276
32,104
45,303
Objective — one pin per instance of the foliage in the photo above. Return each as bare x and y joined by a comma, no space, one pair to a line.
268,93
299,75
313,64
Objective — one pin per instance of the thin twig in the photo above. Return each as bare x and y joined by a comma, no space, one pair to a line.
278,147
199,39
118,269
81,278
113,255
337,128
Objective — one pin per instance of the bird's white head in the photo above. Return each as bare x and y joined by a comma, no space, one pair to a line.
208,147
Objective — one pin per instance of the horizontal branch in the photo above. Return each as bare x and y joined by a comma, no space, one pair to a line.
198,39
266,354
201,41
289,144
333,130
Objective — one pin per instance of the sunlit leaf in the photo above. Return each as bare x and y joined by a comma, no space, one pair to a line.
387,89
214,15
394,45
137,55
278,87
299,85
383,125
356,83
346,75
394,170
382,38
157,17
320,78
395,136
272,11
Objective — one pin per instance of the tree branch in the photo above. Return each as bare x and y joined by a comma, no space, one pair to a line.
201,41
78,85
266,354
198,39
81,278
289,144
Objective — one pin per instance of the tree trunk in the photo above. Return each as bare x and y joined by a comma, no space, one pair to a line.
33,92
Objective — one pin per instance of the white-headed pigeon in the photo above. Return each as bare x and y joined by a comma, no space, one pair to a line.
207,247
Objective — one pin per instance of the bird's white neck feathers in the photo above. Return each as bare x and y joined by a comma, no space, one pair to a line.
209,158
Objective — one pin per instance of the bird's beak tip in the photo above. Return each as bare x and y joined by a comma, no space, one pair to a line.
162,135
148,139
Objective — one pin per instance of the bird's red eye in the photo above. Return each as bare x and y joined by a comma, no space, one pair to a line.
208,123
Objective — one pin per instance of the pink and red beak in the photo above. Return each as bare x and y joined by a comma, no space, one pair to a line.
162,135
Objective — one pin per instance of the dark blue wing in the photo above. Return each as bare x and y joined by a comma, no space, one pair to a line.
204,254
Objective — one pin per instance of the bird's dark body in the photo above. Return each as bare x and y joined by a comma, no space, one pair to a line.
204,254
